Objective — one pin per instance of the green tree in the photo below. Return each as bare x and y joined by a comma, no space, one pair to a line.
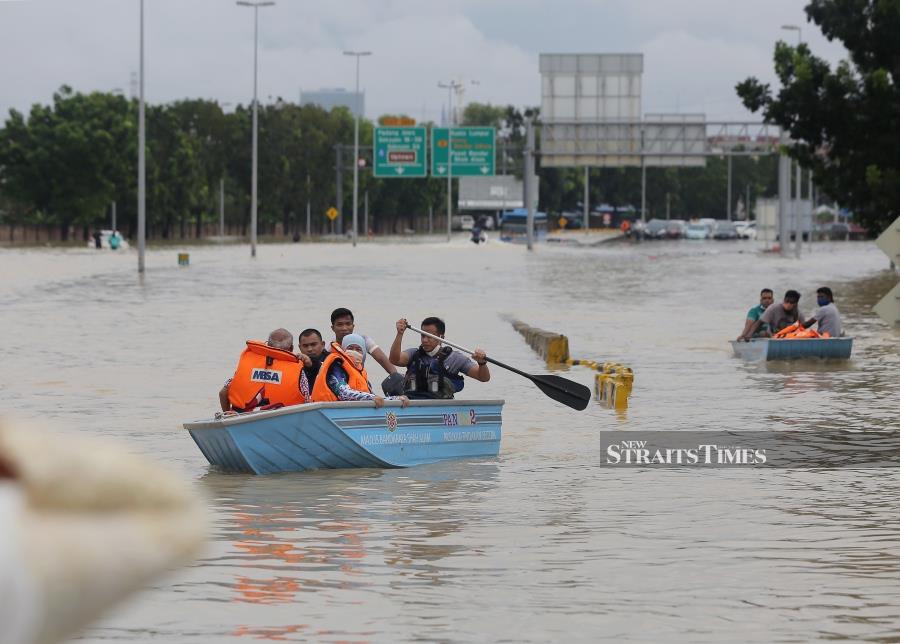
68,159
846,120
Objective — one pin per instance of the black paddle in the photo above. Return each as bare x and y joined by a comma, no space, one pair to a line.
569,393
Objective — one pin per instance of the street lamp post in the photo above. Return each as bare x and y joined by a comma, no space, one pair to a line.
450,87
256,4
798,227
357,55
142,164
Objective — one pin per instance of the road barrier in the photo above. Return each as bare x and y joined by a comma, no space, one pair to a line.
612,382
552,347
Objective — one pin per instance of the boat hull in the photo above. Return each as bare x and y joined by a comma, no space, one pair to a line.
350,434
793,349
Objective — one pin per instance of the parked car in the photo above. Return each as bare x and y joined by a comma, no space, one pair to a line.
675,229
706,221
746,229
696,231
463,222
655,229
725,230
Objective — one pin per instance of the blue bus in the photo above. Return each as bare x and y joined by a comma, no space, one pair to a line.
513,226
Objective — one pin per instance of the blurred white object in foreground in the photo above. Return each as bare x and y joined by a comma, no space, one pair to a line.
83,524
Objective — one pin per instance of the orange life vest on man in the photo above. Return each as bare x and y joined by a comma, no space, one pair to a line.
357,378
265,376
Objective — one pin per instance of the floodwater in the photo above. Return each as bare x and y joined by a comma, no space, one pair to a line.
541,544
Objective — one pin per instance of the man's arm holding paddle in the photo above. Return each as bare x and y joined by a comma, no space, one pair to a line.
480,371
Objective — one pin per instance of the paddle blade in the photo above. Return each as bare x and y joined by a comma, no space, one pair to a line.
571,394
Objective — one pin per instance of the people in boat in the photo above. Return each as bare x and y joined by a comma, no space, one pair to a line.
766,297
267,376
312,347
777,316
826,315
432,370
343,374
343,323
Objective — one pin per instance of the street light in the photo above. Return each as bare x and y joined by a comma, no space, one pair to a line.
797,224
142,163
256,4
450,87
358,55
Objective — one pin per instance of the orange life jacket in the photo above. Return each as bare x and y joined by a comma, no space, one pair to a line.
265,376
786,331
357,379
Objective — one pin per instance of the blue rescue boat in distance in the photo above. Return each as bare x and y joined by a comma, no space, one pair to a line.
350,434
759,349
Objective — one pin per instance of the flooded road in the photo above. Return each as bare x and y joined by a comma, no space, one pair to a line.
541,544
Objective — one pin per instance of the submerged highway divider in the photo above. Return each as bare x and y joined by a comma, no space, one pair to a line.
612,382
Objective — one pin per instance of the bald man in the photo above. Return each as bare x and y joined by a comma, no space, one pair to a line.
278,339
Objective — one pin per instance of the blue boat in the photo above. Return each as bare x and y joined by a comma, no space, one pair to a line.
759,349
349,434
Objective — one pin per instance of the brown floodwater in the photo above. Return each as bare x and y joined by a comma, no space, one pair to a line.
541,544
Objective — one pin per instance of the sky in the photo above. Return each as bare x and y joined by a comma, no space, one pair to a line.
694,50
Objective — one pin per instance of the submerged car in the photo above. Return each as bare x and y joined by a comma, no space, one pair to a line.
725,230
675,229
746,229
697,231
655,229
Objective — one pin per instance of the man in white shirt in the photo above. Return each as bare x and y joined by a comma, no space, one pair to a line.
342,323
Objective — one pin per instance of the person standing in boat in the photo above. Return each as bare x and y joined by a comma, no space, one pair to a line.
312,350
343,374
777,316
343,323
433,371
766,297
267,376
827,315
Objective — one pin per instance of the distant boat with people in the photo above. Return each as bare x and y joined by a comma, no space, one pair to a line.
759,349
336,435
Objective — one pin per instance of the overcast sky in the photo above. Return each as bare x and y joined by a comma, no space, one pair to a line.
694,50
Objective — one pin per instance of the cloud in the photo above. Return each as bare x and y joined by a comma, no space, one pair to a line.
695,51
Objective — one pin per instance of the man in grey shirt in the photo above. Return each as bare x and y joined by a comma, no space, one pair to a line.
827,315
433,371
777,316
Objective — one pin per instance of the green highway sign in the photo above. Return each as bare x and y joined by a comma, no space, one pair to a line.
400,152
473,151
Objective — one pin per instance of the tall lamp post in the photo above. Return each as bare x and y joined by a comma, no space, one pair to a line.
142,164
357,55
256,4
798,227
451,87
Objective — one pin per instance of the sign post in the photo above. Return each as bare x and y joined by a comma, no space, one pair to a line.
473,151
400,152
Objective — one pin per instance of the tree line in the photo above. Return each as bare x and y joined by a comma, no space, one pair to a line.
63,164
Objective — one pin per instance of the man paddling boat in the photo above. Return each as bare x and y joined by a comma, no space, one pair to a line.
433,371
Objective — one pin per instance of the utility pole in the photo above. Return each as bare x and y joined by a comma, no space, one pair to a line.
339,190
366,214
728,209
142,163
450,87
255,4
587,209
357,55
668,210
114,216
643,181
308,209
222,207
798,219
528,180
784,194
